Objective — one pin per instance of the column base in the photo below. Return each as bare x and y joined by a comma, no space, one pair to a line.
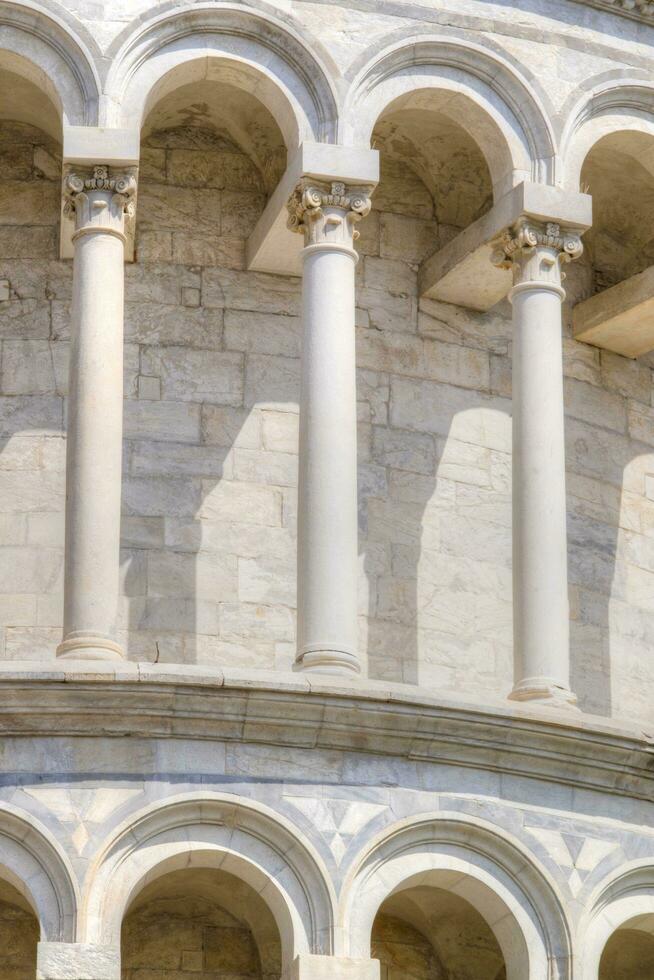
322,660
89,646
544,690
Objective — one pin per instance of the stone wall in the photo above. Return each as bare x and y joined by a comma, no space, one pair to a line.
186,937
211,385
19,934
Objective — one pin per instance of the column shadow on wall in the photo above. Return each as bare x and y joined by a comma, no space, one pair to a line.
436,529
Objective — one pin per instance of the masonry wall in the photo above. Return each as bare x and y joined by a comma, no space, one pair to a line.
209,495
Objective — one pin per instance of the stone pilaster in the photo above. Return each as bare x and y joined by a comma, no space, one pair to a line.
77,961
327,214
536,253
99,201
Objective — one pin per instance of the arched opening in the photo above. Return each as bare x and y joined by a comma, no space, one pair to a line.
203,922
207,347
434,530
19,934
619,174
34,297
608,427
447,894
429,933
629,953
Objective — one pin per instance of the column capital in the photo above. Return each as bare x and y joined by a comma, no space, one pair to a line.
99,199
326,213
535,252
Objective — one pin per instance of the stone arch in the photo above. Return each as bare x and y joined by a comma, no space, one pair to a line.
32,861
624,899
218,831
471,858
52,54
486,96
611,106
252,49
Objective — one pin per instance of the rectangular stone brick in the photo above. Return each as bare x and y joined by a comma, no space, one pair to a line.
196,376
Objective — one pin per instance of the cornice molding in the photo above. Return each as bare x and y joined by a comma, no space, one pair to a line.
168,701
640,10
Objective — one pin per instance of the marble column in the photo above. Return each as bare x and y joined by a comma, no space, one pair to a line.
326,215
536,253
99,202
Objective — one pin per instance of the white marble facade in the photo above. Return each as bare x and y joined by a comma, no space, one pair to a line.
326,490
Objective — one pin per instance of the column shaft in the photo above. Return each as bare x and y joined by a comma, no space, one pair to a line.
327,491
95,412
540,572
327,506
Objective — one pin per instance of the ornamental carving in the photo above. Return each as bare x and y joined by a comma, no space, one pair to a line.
636,9
327,213
535,252
100,200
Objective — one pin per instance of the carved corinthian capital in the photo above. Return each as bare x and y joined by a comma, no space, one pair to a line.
99,200
535,252
327,213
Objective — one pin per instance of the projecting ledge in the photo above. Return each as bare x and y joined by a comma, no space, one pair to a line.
621,318
272,247
462,273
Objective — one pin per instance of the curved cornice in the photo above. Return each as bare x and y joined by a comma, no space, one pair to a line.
642,10
161,701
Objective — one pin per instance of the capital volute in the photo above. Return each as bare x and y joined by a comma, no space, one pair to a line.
327,213
536,251
99,199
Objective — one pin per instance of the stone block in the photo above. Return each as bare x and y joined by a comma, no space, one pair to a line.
161,421
179,208
235,501
466,367
272,468
272,382
31,643
29,202
253,291
149,388
193,248
581,361
34,367
25,318
240,212
404,450
156,323
263,333
595,405
390,351
267,580
227,427
178,459
407,238
308,967
63,961
627,377
280,431
161,497
201,576
196,376
162,284
35,242
245,619
24,491
445,410
46,530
